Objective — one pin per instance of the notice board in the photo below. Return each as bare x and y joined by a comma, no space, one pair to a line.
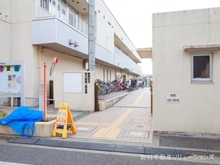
10,77
12,80
72,82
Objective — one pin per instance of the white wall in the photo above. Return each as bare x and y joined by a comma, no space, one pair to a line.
198,110
16,43
5,46
65,63
103,76
21,47
5,31
105,32
107,25
5,10
76,100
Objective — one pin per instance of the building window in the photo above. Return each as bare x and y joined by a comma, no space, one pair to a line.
103,74
70,18
64,12
45,4
201,67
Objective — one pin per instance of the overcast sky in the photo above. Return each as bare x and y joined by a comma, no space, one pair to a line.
135,17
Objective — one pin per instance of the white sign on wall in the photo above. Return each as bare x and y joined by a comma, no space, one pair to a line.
10,76
12,80
173,97
72,82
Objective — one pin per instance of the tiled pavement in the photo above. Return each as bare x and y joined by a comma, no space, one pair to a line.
128,120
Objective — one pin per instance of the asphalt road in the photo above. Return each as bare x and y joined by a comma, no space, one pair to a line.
13,154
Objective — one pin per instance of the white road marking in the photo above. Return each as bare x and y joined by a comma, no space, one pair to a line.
11,163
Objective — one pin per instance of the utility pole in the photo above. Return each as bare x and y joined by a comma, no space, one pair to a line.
91,48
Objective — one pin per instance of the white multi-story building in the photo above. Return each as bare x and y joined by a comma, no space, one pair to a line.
37,31
186,79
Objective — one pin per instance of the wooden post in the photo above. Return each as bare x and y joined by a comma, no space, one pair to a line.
96,97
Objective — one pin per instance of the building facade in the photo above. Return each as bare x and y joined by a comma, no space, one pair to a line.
37,31
186,79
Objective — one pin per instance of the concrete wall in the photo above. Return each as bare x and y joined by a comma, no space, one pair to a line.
66,62
5,11
198,109
55,31
101,73
105,35
107,26
5,46
5,30
82,100
16,45
21,47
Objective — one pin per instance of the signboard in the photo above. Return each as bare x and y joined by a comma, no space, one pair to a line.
173,97
72,83
61,116
12,80
64,118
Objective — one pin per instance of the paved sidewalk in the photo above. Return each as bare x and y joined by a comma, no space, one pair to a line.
128,120
126,124
51,110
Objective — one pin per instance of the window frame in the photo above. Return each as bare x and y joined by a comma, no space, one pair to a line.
210,68
45,4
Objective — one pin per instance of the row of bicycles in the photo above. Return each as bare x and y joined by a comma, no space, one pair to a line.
116,85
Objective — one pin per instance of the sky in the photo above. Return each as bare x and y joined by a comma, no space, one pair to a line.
135,17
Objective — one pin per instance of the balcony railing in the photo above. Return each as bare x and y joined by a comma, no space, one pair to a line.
123,56
56,8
